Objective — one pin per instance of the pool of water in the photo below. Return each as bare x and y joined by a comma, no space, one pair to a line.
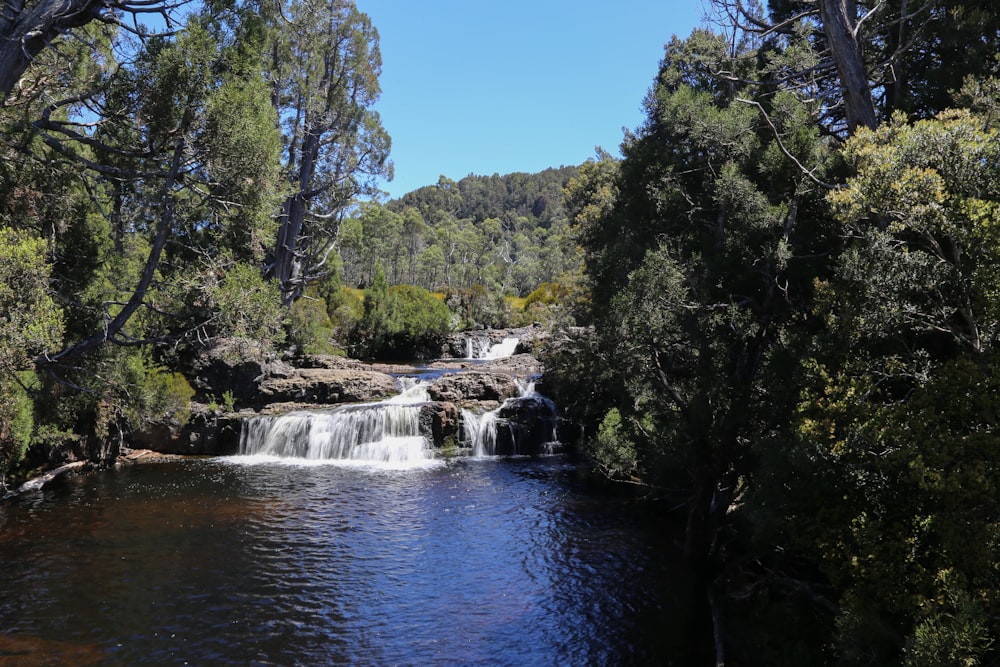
243,562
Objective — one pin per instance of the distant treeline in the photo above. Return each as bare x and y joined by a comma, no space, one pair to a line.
505,233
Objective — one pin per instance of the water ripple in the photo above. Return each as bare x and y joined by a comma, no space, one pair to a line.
474,562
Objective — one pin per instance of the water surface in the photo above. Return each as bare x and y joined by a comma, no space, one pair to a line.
223,562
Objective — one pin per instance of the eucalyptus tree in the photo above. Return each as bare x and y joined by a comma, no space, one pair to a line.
324,67
154,142
27,28
783,286
865,59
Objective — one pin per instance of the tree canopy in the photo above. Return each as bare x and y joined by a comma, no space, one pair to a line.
791,262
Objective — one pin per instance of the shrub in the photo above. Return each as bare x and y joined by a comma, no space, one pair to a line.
16,425
415,313
309,326
477,307
547,294
345,309
404,323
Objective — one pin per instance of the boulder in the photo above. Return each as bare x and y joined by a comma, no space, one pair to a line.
439,422
473,386
206,433
531,422
235,367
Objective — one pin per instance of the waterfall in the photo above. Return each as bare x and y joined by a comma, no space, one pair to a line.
479,347
384,433
481,431
522,425
503,349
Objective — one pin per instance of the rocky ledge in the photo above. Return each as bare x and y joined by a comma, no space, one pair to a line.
235,381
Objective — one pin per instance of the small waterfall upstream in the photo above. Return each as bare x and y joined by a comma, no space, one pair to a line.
384,433
481,348
503,349
522,425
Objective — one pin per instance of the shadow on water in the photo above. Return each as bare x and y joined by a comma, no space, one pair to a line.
212,562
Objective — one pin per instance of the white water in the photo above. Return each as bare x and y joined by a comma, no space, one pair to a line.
383,434
482,429
481,348
503,349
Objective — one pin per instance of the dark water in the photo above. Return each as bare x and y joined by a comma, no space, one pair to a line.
486,562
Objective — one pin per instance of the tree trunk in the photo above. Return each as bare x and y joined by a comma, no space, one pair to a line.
114,326
24,32
839,22
287,263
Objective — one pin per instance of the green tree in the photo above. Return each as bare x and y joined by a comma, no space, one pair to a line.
702,246
30,325
325,75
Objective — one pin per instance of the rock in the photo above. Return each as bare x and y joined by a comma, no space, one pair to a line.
331,361
439,422
323,386
235,367
519,365
531,425
473,386
525,425
206,433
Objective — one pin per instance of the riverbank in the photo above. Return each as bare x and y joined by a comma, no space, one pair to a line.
252,382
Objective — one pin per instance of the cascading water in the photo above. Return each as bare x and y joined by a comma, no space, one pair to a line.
503,349
385,433
481,348
522,425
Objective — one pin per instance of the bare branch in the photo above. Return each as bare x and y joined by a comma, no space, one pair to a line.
781,146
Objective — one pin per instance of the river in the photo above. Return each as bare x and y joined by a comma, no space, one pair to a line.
248,561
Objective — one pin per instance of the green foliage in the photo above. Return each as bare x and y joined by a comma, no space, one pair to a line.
247,305
344,306
547,294
30,321
16,423
144,392
506,233
613,449
925,197
478,307
309,326
243,145
415,313
954,633
400,321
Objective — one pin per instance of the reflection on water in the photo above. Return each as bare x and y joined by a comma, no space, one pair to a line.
217,563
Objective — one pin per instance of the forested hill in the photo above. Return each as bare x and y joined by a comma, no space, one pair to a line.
506,233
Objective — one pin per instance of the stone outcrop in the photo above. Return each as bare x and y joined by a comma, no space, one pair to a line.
473,386
518,365
530,425
235,368
439,423
324,386
206,433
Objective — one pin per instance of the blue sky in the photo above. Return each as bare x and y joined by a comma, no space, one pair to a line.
483,87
